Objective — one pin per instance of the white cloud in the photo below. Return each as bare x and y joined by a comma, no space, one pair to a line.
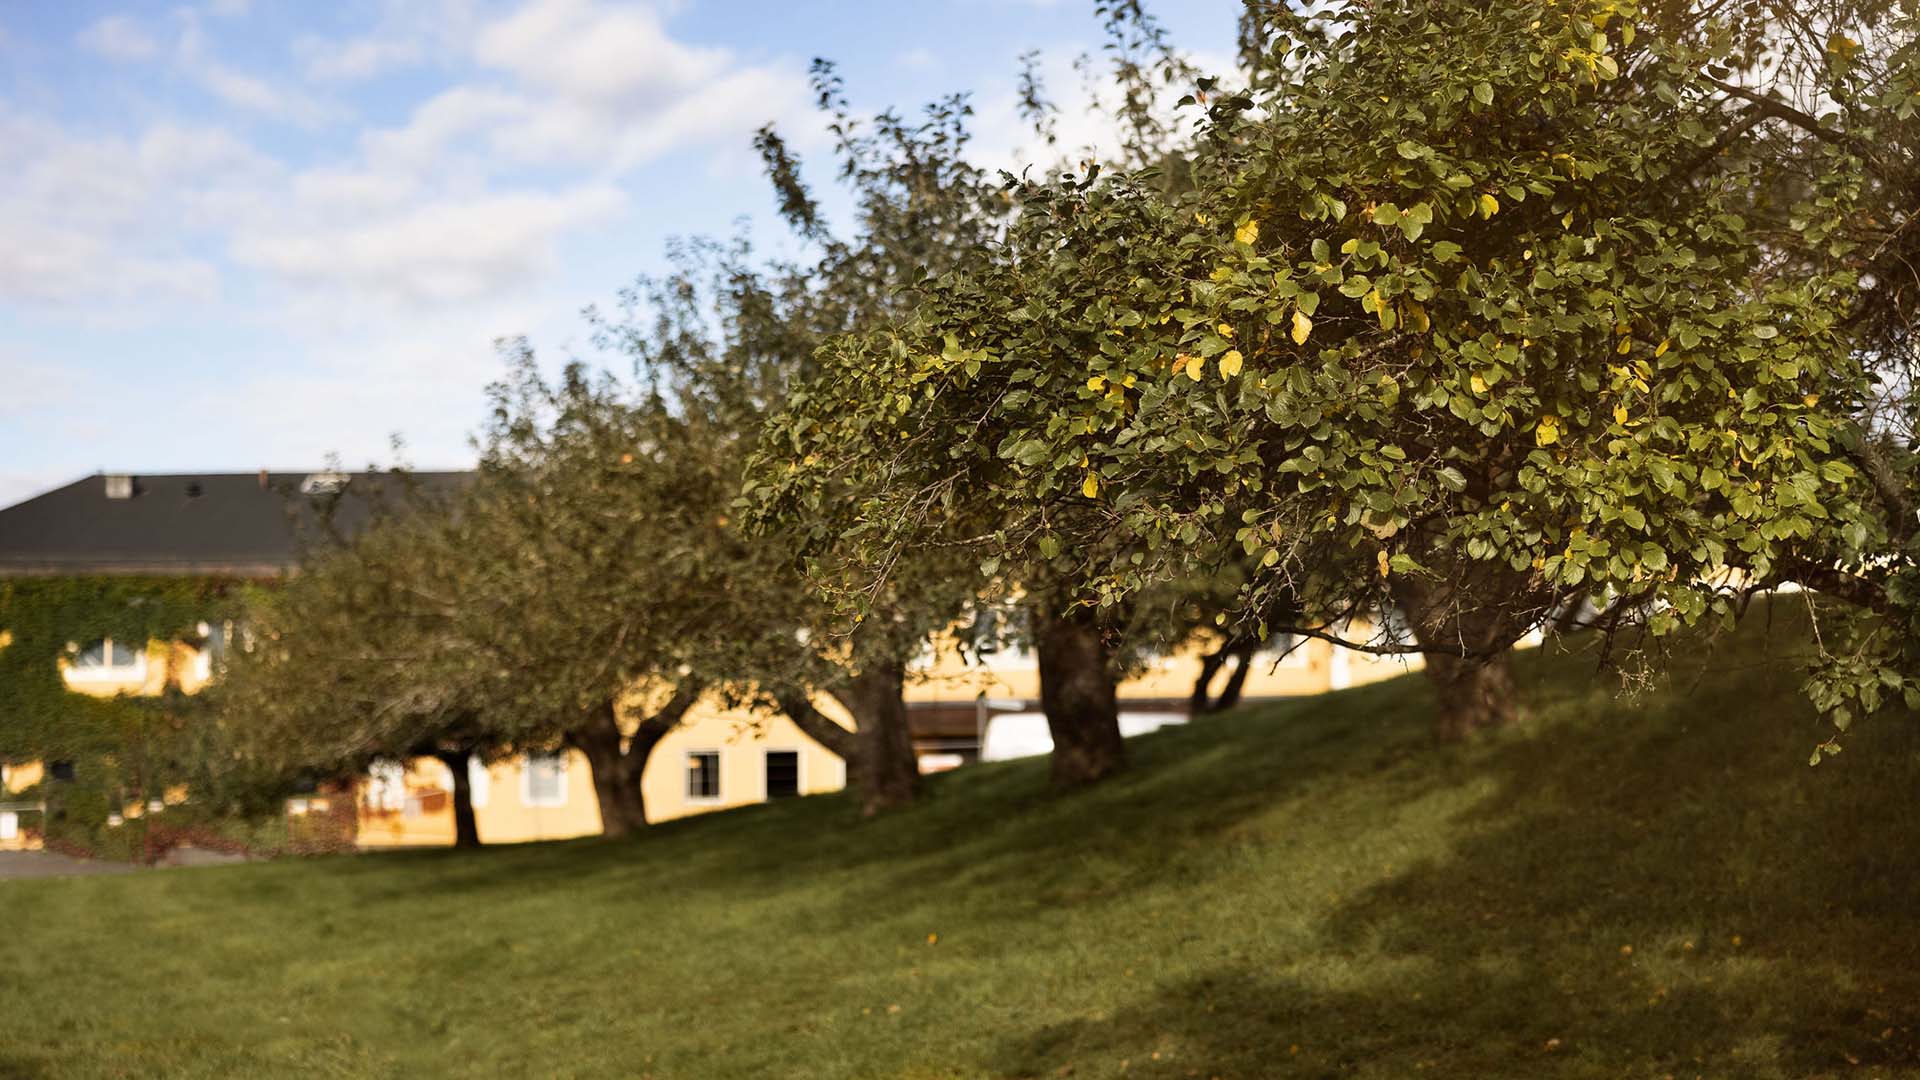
917,59
195,56
119,37
32,387
597,83
441,213
359,58
436,253
108,221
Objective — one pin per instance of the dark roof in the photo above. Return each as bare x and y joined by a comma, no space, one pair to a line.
205,524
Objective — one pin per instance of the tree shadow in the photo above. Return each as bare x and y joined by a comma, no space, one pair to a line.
1660,888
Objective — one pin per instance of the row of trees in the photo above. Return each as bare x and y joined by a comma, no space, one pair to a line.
1495,316
1484,313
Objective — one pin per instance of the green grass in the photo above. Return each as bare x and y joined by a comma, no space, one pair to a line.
1303,889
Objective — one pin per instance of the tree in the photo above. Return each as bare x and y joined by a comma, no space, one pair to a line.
1462,315
607,583
919,207
359,658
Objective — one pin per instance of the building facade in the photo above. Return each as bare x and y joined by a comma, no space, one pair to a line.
964,706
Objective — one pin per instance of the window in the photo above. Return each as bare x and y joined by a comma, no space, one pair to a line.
703,775
783,774
387,787
479,781
543,780
999,639
109,659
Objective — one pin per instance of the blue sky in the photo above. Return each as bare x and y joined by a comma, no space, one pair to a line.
238,234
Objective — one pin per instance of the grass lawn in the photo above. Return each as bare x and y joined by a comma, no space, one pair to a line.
1624,887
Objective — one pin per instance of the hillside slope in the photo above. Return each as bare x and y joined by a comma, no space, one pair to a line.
1623,887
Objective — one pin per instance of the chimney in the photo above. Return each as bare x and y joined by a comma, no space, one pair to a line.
263,479
119,486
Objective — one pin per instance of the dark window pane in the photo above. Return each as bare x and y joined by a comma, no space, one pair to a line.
703,774
783,774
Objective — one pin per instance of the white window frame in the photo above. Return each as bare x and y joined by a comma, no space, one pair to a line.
479,782
799,770
387,786
109,672
719,777
526,781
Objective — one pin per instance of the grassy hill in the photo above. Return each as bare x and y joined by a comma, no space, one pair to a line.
1625,886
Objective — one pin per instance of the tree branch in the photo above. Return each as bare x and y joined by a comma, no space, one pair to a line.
817,726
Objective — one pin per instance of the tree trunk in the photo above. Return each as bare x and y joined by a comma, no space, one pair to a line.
1210,666
466,831
884,767
1237,681
1478,608
616,782
1475,695
619,761
1077,694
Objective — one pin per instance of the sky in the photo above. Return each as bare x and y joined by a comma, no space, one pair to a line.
244,234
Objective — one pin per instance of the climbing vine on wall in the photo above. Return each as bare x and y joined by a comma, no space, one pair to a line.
125,747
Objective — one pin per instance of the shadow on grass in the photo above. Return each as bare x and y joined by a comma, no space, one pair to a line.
1650,886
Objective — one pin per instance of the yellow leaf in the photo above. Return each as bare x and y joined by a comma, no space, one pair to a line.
1385,564
1090,487
1225,331
1230,364
1479,384
1302,326
1548,431
1247,233
1489,206
1416,318
1661,349
1626,346
1619,414
1195,366
1811,400
1096,383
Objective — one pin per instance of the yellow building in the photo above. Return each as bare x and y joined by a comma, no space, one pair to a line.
961,708
715,759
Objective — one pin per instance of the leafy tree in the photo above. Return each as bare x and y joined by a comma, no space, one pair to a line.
606,582
919,207
359,658
1466,313
922,212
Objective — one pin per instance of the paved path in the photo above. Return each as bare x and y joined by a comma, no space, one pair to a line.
36,864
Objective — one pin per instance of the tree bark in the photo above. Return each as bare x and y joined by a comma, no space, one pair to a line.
1237,681
817,726
881,763
884,767
1078,695
619,761
1478,608
466,830
1202,698
1475,695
